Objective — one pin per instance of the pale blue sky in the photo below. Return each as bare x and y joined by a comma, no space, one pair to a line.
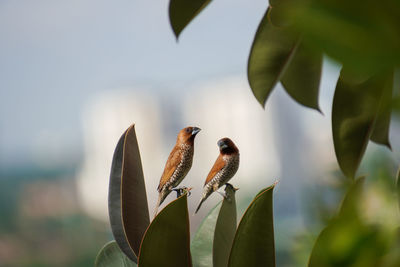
55,55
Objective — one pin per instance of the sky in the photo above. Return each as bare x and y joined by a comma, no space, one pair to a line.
57,55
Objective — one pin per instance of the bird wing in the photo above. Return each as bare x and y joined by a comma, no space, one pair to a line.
173,161
218,165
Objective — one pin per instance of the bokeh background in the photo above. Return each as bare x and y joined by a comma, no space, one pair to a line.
75,74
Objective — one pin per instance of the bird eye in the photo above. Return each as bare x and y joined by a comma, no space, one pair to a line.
188,130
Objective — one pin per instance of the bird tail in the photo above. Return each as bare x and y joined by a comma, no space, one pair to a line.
206,193
198,207
158,203
161,197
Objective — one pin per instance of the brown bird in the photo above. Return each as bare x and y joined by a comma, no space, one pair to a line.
223,170
178,164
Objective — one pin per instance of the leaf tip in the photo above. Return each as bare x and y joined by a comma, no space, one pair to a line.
319,110
177,33
389,146
261,101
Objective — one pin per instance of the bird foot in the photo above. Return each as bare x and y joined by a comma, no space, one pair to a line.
182,190
229,191
228,185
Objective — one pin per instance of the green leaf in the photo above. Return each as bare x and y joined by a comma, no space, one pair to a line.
111,256
392,258
254,240
271,53
182,12
212,242
355,109
167,239
347,242
302,77
127,201
398,186
359,34
396,105
350,203
380,133
202,243
225,228
279,12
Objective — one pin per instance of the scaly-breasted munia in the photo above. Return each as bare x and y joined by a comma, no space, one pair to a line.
223,170
178,164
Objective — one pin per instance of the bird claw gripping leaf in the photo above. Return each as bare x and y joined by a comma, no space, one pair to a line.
229,191
229,187
182,190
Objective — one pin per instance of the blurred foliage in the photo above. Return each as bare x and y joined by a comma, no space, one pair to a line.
33,235
360,230
352,238
362,35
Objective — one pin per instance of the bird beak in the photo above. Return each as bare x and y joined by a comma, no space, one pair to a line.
195,130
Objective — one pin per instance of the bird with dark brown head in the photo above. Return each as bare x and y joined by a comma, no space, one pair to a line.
223,170
178,164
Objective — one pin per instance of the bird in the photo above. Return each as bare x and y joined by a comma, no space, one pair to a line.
225,167
178,163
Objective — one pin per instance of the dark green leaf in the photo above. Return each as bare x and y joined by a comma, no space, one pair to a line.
380,133
202,243
254,240
111,256
396,104
271,53
167,239
225,229
279,14
354,113
274,2
181,13
359,34
127,201
302,77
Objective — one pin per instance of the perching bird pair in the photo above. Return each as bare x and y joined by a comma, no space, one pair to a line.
180,161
